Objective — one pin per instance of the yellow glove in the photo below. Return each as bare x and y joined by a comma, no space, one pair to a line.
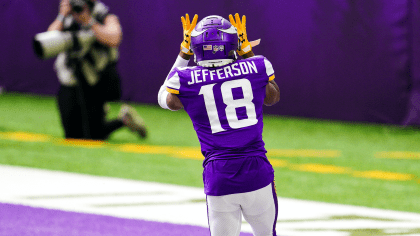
243,44
188,28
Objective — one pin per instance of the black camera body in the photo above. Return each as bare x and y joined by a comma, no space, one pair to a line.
77,5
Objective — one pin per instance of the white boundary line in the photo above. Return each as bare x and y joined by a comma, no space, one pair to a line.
183,205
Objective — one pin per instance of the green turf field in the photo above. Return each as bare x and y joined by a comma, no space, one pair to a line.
358,164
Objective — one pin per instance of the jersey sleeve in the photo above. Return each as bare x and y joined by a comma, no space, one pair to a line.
269,69
173,83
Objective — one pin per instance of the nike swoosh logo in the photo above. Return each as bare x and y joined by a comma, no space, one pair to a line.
231,30
195,33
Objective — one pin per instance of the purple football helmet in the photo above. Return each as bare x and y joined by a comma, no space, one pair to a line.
214,41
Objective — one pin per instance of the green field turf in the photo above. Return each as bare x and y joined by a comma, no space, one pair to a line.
358,175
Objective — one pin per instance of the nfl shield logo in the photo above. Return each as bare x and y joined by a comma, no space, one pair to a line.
215,49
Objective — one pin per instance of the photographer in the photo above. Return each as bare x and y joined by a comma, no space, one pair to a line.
88,75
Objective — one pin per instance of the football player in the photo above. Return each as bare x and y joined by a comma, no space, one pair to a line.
224,97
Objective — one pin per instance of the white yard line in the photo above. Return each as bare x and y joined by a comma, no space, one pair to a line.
184,205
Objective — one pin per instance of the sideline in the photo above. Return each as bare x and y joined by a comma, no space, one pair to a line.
186,205
195,154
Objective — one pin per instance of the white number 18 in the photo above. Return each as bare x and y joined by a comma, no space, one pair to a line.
231,104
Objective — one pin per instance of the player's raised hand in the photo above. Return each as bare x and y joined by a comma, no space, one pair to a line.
188,28
243,44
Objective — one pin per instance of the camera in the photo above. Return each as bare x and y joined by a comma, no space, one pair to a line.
51,43
77,5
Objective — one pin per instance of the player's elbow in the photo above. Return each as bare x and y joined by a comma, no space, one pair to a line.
272,101
173,102
174,107
272,95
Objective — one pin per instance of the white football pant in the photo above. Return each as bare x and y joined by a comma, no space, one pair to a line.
258,207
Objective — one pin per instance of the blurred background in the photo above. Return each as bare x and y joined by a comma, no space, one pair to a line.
345,130
350,60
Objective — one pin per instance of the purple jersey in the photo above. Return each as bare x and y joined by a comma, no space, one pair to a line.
225,106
